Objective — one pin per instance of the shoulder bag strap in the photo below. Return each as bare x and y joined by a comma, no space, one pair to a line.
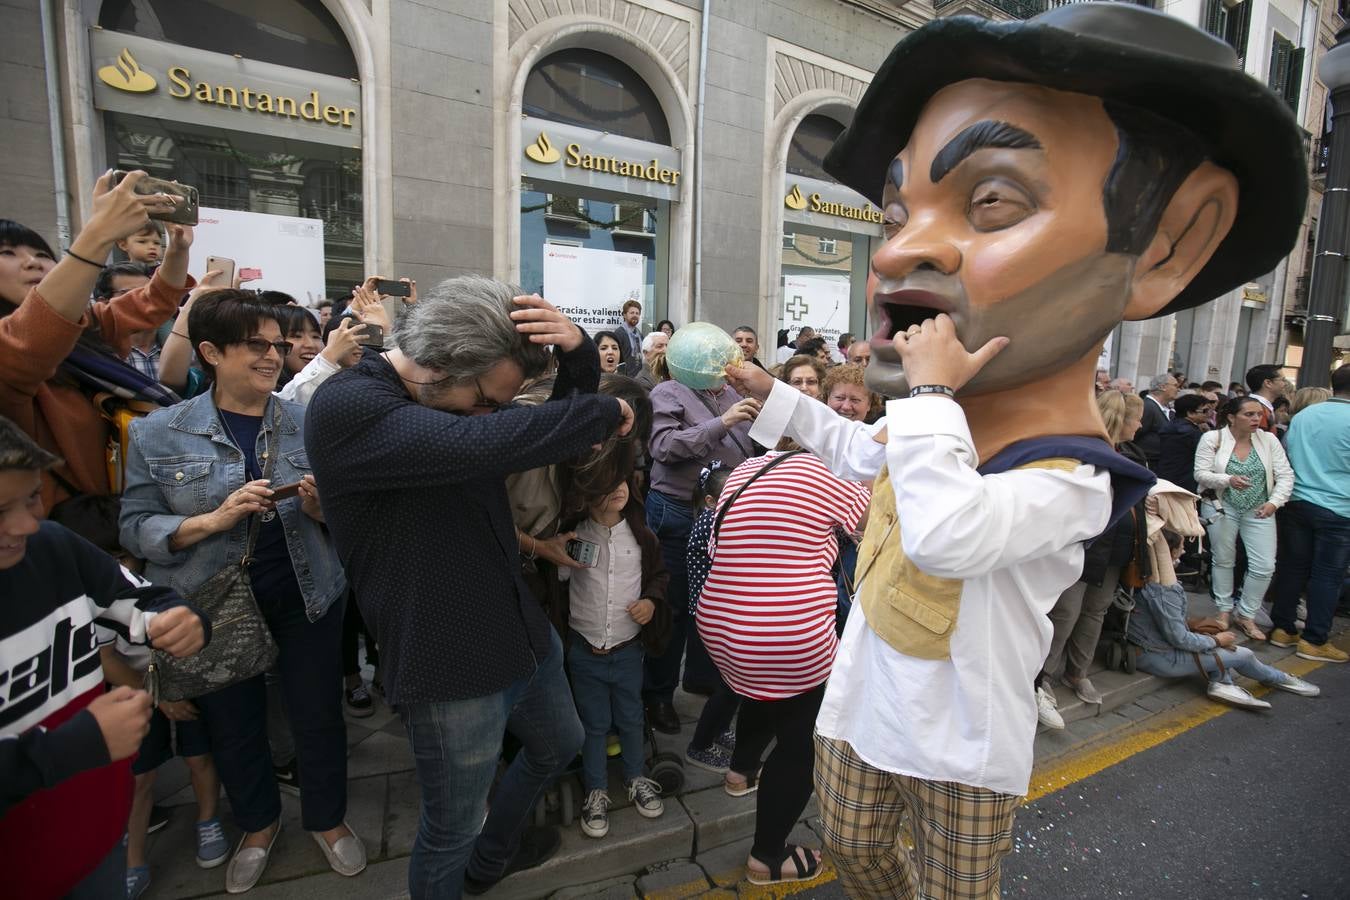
717,414
273,443
722,513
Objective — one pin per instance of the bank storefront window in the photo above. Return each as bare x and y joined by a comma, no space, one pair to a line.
598,181
255,138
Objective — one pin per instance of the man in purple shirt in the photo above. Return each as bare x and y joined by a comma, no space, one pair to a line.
689,430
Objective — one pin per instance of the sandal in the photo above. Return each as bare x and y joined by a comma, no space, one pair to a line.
805,871
1248,627
749,787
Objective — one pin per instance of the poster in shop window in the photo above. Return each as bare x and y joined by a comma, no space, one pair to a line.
591,285
819,301
287,250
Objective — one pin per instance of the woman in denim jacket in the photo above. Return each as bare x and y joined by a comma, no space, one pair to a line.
194,480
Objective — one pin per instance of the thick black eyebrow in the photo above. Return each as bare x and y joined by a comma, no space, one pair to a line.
980,136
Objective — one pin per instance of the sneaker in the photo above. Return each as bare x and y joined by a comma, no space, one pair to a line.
288,777
1320,652
1278,637
1231,693
714,759
159,817
138,879
1047,708
212,848
595,814
727,740
357,701
1298,686
646,797
1085,691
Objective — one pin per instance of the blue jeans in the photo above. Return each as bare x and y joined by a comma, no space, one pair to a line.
456,745
310,670
1258,537
671,521
1180,663
608,691
1314,555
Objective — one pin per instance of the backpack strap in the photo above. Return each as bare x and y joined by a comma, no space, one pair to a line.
722,513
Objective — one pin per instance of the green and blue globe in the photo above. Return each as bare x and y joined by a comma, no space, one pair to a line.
698,354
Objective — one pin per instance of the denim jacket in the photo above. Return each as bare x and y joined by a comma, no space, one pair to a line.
182,463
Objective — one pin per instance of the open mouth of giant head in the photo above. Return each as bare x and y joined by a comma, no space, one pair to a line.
898,311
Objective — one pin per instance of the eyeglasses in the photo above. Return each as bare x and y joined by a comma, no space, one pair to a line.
259,347
483,401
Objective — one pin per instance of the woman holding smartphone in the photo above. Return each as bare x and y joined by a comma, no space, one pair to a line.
195,481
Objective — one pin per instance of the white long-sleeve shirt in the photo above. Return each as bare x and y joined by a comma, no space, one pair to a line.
301,388
1014,539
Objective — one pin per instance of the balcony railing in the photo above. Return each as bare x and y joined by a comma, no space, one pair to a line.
1321,155
1025,9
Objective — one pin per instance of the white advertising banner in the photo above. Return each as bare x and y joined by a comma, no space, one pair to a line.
819,301
286,250
590,285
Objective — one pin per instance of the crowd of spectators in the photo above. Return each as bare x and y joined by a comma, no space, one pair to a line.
386,471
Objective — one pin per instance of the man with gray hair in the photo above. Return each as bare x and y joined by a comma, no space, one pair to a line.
1157,413
413,447
652,345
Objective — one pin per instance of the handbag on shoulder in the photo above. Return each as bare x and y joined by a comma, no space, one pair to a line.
241,644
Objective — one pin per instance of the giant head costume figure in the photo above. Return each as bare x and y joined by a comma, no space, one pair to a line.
1044,180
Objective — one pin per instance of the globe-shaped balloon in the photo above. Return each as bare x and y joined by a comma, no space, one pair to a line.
698,353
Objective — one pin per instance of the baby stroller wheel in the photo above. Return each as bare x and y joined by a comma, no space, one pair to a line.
1129,659
1115,656
668,772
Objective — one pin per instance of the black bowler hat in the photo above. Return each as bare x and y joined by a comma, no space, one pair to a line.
1123,53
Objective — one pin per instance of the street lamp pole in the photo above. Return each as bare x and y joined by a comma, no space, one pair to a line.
1326,295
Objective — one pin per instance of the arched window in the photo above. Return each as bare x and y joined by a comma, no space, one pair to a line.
812,140
301,34
594,90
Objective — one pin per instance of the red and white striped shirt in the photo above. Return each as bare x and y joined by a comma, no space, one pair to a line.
766,613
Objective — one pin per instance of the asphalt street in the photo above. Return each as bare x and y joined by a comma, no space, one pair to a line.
1250,805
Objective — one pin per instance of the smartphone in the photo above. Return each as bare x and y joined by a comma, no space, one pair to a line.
391,288
247,274
371,335
285,492
185,197
223,265
584,552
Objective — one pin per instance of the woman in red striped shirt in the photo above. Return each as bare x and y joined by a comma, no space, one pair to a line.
766,615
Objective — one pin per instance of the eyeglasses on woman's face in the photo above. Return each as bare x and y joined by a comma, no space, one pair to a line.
259,347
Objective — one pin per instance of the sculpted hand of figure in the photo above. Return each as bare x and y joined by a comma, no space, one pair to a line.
544,324
932,354
750,380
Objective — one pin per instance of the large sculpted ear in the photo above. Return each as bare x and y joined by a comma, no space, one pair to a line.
1193,226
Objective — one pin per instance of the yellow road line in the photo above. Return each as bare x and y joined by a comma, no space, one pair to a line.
1062,773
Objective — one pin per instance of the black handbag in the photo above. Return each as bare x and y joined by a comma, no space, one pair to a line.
241,644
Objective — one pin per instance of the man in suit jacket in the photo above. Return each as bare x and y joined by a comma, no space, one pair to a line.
1157,413
632,315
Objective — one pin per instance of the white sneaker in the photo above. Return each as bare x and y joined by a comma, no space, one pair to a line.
646,797
1047,708
595,814
1298,686
1231,693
